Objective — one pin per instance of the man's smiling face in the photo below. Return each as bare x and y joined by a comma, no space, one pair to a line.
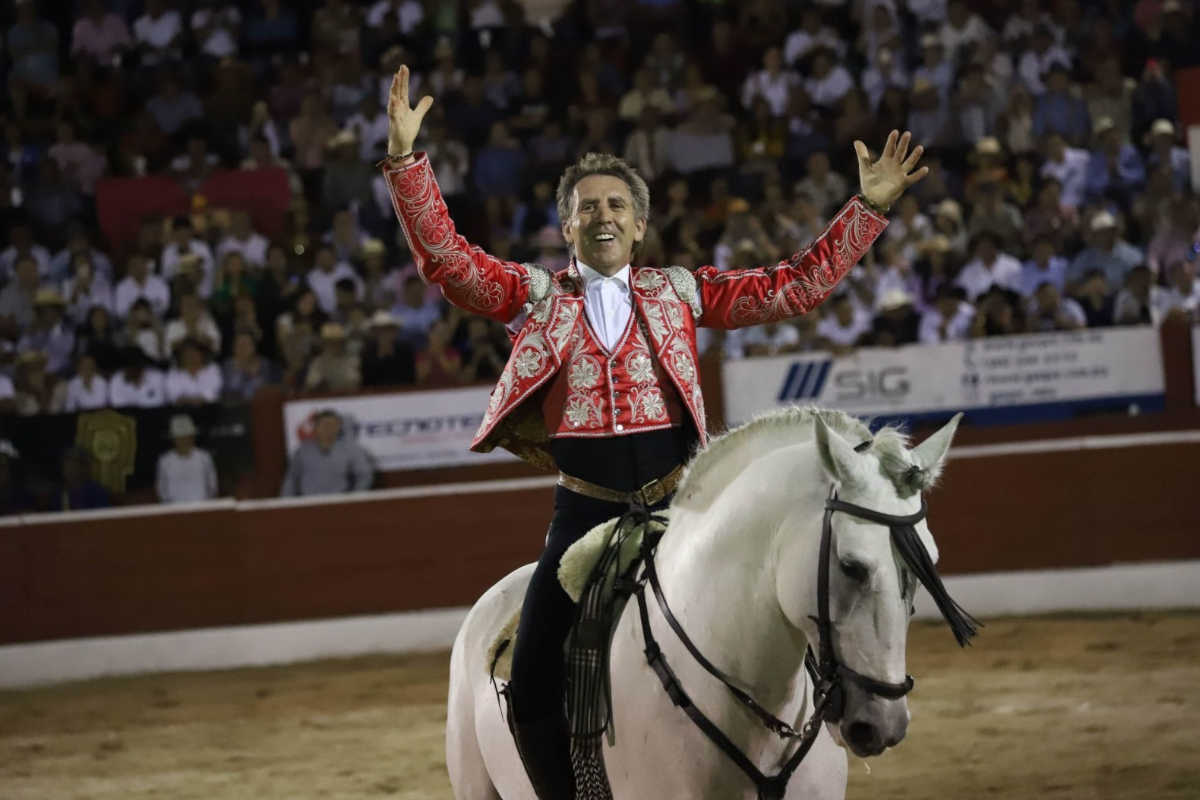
603,227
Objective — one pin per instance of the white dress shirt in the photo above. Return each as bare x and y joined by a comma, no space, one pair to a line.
608,303
186,479
147,394
205,384
82,397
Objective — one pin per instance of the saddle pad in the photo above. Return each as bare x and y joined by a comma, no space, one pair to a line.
574,570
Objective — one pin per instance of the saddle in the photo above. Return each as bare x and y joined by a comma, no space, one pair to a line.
597,573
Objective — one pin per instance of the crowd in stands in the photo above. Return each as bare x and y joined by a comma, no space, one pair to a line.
1059,196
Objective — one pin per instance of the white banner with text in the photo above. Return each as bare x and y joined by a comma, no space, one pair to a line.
403,430
991,373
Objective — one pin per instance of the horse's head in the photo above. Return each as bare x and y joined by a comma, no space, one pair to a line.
871,583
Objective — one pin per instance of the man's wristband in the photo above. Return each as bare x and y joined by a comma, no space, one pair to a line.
396,159
872,206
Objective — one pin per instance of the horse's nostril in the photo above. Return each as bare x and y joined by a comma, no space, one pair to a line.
863,736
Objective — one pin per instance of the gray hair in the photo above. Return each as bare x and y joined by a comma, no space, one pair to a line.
602,164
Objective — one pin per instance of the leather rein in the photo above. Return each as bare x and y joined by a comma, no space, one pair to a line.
828,672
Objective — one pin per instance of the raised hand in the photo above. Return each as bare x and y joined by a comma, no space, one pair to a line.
886,179
403,121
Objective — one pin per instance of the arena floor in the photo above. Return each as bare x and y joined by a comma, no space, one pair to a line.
1060,707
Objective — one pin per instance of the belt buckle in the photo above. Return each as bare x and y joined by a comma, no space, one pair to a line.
651,492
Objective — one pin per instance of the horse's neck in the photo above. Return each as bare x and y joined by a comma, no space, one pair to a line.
718,572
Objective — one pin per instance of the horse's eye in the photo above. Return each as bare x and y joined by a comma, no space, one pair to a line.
854,570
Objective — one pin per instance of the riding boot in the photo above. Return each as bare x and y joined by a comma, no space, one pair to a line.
545,750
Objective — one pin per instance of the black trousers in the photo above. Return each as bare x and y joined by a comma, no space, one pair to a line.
622,463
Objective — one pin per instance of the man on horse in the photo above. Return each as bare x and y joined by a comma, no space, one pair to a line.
603,381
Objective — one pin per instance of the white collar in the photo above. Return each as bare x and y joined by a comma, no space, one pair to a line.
589,275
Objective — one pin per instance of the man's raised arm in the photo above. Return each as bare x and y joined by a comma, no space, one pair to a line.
468,277
740,297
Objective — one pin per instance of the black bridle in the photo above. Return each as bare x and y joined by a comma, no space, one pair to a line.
829,674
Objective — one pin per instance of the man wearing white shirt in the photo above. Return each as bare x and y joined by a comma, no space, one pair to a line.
88,390
990,267
828,82
85,290
948,319
216,28
812,32
195,381
136,384
1044,267
242,238
961,28
193,321
846,323
138,282
157,31
408,13
326,272
20,243
1069,166
773,83
184,242
186,473
371,124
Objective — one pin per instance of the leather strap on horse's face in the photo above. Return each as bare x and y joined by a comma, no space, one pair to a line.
831,670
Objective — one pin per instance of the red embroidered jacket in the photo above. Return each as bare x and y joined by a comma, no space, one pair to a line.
668,304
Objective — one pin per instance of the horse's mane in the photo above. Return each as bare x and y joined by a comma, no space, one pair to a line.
784,427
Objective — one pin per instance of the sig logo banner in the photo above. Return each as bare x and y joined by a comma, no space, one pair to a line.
403,430
992,373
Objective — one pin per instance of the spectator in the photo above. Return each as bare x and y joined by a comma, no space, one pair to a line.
1115,169
439,363
50,334
772,339
1036,61
1059,110
821,184
346,180
246,371
990,267
136,383
326,272
999,313
195,164
1044,267
1182,295
812,32
962,29
33,47
310,132
370,125
1176,237
994,214
215,28
88,390
173,106
16,299
79,491
158,33
328,463
949,319
1140,302
193,322
1106,252
703,139
243,239
335,368
896,322
186,473
34,386
416,312
845,324
78,161
144,330
98,34
386,360
85,290
1050,311
63,265
52,202
139,283
928,117
1050,218
98,338
487,351
935,68
1068,166
1164,152
21,244
346,237
195,381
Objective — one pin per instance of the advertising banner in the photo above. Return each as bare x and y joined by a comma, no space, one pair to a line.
998,374
404,430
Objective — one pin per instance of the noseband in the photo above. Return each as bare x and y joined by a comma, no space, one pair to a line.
829,674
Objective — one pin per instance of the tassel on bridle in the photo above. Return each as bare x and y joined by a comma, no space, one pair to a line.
913,551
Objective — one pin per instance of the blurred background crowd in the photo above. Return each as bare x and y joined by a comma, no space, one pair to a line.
1059,197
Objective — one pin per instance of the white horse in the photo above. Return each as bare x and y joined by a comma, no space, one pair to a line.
738,565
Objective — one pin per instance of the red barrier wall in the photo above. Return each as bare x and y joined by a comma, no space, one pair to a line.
67,578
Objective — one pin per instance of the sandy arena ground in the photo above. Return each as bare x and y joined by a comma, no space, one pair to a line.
1080,707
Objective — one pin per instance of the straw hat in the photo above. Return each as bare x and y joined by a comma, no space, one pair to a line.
893,299
332,330
383,319
47,296
1103,221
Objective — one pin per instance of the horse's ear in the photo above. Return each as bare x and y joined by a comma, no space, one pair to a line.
931,453
837,456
